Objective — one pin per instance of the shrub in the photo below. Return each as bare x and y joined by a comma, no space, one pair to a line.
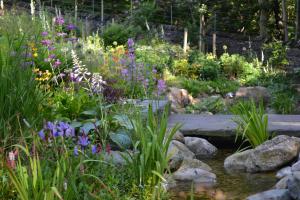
284,103
236,67
252,123
118,33
211,104
276,54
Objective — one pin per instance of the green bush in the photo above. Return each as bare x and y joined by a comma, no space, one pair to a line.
236,67
220,86
213,104
276,54
118,33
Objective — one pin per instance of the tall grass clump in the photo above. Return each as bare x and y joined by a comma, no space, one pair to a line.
252,123
150,160
19,94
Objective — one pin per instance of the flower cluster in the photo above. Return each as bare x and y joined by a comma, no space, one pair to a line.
80,74
55,130
82,142
42,75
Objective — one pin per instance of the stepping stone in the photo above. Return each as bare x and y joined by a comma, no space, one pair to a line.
222,126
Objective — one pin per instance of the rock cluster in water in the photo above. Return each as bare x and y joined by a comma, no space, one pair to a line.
275,153
184,153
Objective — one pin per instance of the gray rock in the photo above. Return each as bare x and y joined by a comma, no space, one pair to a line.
179,98
195,175
177,152
116,158
194,163
269,156
255,93
200,147
271,195
237,161
179,137
296,167
284,172
293,185
282,184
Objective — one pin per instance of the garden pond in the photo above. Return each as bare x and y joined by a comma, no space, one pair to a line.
233,186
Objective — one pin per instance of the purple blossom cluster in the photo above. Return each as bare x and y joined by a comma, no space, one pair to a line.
53,130
139,73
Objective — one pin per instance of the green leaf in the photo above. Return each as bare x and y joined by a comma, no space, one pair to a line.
121,139
124,121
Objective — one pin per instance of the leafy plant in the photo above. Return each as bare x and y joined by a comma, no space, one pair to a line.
276,53
284,103
252,123
210,104
118,33
151,141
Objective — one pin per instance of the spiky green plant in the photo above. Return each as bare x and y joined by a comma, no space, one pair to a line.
252,123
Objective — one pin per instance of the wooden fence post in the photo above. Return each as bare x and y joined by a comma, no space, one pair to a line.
2,5
215,37
185,37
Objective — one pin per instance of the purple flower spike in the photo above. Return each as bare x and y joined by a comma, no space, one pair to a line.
59,20
130,43
71,27
57,63
44,33
161,86
76,151
94,149
42,134
124,72
83,141
46,42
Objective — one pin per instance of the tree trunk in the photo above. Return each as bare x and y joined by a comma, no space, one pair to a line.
276,9
284,20
297,33
263,31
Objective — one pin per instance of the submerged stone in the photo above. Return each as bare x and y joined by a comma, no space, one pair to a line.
275,194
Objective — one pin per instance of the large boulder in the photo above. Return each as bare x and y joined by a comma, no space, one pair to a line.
296,167
293,185
179,98
177,152
195,175
284,172
257,94
271,195
200,147
268,156
116,157
194,163
237,161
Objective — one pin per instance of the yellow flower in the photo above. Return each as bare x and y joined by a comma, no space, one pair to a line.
35,55
36,70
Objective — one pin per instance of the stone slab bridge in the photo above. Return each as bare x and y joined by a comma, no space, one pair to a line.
223,126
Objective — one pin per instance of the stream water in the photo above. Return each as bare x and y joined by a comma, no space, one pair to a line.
235,186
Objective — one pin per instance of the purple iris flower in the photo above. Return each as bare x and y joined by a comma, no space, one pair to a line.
70,132
71,27
59,20
42,134
83,141
76,151
94,149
